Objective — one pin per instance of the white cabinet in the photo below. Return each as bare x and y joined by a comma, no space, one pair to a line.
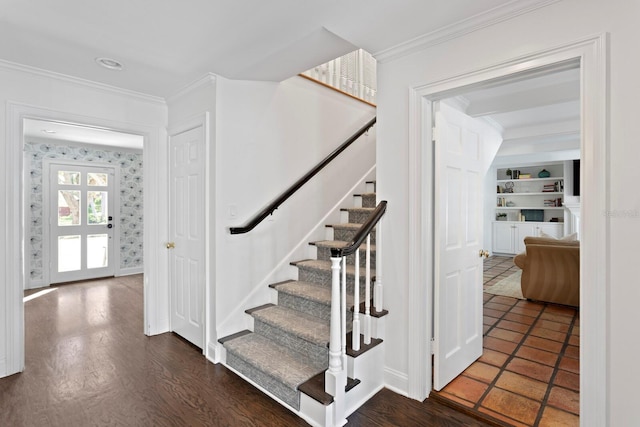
508,236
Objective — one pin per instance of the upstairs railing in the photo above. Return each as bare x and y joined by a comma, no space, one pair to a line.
275,204
336,375
353,74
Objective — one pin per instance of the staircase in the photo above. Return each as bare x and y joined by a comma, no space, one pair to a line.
287,352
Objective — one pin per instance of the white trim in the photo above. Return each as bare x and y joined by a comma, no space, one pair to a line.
129,271
43,140
396,381
14,276
207,79
594,263
482,20
8,65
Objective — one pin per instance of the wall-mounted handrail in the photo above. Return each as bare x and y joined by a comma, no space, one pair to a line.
364,230
275,204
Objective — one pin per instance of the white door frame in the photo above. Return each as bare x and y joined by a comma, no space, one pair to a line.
46,213
591,54
155,297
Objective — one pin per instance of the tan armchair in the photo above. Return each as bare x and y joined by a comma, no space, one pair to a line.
550,270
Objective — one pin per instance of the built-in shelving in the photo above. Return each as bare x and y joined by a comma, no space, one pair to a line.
532,206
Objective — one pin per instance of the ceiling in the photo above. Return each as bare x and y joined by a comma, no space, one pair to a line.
535,113
164,45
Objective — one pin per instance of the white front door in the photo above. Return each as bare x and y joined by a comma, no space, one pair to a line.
81,221
458,244
187,234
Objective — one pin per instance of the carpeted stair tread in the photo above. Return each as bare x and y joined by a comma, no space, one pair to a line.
340,244
285,365
305,326
346,226
363,210
310,291
316,264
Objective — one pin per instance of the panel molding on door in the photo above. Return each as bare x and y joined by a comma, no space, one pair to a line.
77,222
186,248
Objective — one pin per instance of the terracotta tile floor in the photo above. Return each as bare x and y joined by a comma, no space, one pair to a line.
528,374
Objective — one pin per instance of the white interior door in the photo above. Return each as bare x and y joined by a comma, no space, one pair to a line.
81,221
187,234
458,243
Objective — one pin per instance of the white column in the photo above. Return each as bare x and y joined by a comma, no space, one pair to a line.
377,295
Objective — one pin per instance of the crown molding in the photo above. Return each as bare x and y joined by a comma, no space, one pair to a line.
13,66
207,79
66,142
482,20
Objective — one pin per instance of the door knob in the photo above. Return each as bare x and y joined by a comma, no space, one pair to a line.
486,254
483,253
171,245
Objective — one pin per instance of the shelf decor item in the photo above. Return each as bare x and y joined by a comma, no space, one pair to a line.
544,174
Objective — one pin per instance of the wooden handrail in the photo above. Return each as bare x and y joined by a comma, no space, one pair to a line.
275,204
362,233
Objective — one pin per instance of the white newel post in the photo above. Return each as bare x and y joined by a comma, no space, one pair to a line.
336,375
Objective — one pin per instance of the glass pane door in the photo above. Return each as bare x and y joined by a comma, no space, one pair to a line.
82,230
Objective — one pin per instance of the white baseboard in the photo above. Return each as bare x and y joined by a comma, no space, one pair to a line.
129,271
397,382
35,284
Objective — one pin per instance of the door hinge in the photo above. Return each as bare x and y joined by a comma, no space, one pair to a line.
434,134
432,343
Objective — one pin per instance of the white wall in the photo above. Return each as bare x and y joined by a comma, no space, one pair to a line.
268,136
24,89
557,24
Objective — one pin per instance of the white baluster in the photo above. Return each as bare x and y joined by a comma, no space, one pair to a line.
343,313
355,330
377,295
367,294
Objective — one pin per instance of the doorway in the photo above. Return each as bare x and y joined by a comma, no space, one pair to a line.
85,192
589,54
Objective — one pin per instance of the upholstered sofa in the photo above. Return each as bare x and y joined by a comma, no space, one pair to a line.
550,270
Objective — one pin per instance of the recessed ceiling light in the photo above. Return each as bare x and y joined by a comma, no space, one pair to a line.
109,63
48,131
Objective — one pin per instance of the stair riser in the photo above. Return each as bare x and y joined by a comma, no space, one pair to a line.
314,308
281,391
347,235
358,217
324,254
317,355
369,201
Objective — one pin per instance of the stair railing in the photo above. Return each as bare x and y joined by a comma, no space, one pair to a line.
336,375
275,204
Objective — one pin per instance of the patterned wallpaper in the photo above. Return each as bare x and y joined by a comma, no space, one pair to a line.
130,197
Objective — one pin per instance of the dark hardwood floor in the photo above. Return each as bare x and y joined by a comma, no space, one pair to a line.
89,364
